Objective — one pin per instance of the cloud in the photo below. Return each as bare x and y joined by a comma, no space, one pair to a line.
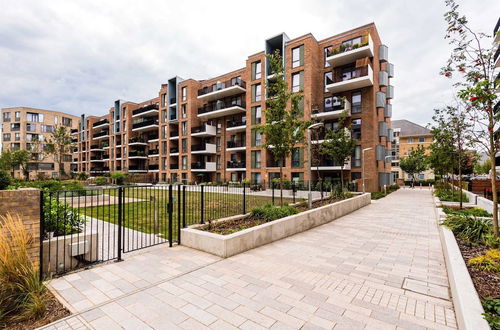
80,56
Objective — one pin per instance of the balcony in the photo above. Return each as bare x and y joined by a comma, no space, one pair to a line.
74,131
236,145
174,166
206,148
236,126
221,90
203,167
333,110
101,123
173,136
118,156
174,151
100,135
173,102
105,157
348,80
496,32
330,165
496,58
137,141
152,138
137,155
203,131
96,159
153,168
151,109
137,169
236,166
349,53
145,125
153,153
222,108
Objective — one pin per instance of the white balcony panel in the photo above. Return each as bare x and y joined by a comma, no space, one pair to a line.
334,114
237,129
210,148
355,83
209,167
146,113
209,131
222,93
229,111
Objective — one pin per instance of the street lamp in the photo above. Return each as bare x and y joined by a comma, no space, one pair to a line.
311,127
363,166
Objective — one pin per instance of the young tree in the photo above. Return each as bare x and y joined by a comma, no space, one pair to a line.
37,152
473,58
282,129
415,163
483,168
59,144
6,162
339,145
22,158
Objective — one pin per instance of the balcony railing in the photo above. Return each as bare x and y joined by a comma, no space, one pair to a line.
100,122
105,157
96,158
221,85
174,166
174,150
136,168
231,124
240,164
153,152
144,123
351,50
347,47
153,137
74,130
136,153
153,167
203,148
173,100
147,108
221,105
137,140
341,75
174,134
349,79
100,134
236,144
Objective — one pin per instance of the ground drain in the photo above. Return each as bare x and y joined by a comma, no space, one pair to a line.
426,288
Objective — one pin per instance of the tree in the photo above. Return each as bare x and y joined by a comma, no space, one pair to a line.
22,158
59,144
415,163
37,152
339,145
6,162
282,129
473,57
483,168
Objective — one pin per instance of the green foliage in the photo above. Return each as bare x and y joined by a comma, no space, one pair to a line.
59,217
270,212
488,262
476,211
100,181
59,144
470,229
483,168
5,179
492,313
82,176
6,162
381,194
492,241
415,163
118,177
21,158
448,195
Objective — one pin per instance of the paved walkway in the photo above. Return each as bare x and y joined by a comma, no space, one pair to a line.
380,267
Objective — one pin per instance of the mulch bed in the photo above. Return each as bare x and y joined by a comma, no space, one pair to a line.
487,284
232,226
55,311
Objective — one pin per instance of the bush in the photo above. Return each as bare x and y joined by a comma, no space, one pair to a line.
118,177
447,195
5,180
100,181
377,195
488,262
22,294
60,218
270,212
470,229
82,176
476,211
492,313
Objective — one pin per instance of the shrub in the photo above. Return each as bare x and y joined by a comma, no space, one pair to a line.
492,313
22,294
470,229
60,218
450,196
485,263
476,211
377,194
492,241
118,177
5,180
82,176
270,212
100,181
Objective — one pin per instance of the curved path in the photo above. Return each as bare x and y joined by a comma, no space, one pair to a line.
381,267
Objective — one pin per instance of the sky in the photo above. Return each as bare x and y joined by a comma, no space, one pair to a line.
80,56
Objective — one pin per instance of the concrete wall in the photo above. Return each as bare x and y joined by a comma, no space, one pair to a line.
25,203
229,245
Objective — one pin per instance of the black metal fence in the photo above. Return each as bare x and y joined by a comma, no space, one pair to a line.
84,227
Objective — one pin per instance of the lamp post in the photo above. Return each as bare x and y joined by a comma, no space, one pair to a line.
363,166
311,127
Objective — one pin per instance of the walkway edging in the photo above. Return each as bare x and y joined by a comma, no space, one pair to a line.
468,308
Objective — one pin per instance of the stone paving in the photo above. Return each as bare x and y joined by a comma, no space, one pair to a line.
381,267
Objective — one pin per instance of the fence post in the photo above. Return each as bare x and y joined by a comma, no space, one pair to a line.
244,199
272,191
40,262
179,214
183,206
170,209
202,221
120,216
155,214
293,191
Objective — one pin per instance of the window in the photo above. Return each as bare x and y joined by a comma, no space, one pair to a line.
256,115
256,138
30,127
421,176
256,159
184,127
356,159
184,111
164,147
66,121
56,119
15,127
164,116
164,132
356,102
15,146
184,93
184,145
218,143
47,128
351,42
67,158
356,129
236,81
256,178
421,139
256,73
163,100
332,103
328,79
298,56
184,162
297,157
409,140
6,136
6,116
218,162
325,52
256,93
163,163
35,117
18,137
298,81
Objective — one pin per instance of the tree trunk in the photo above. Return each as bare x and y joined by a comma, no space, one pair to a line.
460,182
342,177
494,185
281,183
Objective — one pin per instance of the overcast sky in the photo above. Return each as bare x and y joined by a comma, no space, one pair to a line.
80,56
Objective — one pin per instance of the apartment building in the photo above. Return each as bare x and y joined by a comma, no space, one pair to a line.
496,45
408,136
204,130
28,128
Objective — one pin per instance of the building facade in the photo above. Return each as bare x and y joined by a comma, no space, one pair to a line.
496,45
204,131
29,129
408,136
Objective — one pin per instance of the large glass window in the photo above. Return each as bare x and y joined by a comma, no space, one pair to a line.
184,162
356,159
356,102
297,157
256,138
325,55
184,145
256,115
163,100
6,116
256,178
328,80
6,136
298,56
35,117
297,81
18,116
256,159
184,93
66,121
256,93
256,70
356,129
184,127
30,127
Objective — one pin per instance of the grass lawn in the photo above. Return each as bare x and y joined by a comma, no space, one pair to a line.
140,215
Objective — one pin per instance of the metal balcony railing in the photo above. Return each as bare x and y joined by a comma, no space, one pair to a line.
100,122
221,85
145,109
236,144
240,164
144,123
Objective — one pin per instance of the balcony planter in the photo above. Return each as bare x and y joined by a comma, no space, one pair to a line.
228,245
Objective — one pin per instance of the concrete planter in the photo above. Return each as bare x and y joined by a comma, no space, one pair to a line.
228,245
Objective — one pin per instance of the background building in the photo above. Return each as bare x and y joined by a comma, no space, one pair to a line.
197,131
22,127
496,45
408,136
